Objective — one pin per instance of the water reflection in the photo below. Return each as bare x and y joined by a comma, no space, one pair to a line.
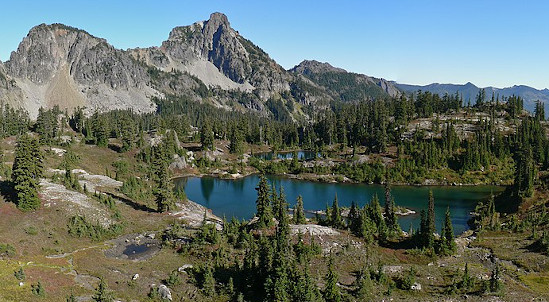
237,197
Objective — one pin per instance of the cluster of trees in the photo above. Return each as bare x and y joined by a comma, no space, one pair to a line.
425,238
370,222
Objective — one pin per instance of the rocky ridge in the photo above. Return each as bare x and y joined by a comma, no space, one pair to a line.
60,65
68,67
336,80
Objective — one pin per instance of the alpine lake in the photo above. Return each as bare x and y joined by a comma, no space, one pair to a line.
236,197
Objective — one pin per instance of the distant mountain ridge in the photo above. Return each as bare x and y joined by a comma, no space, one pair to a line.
469,92
346,86
208,61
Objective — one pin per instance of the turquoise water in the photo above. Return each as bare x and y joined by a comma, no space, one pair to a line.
237,197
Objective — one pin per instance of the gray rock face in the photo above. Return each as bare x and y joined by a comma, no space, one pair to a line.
238,63
60,65
91,60
215,41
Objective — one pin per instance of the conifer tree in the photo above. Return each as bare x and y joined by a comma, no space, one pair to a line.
390,217
163,192
102,292
263,203
336,219
447,241
305,289
495,282
367,227
208,286
427,227
27,170
354,218
364,285
331,289
431,219
206,136
299,213
466,281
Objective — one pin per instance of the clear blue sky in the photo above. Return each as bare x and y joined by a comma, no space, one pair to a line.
490,43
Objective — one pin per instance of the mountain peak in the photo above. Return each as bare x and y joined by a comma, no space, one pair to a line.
219,18
313,66
58,29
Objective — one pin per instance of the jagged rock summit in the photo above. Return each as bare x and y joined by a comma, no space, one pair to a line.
219,56
58,65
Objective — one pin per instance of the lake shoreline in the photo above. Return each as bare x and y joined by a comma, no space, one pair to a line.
236,197
329,179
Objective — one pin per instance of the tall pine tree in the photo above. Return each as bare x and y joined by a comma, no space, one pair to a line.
27,170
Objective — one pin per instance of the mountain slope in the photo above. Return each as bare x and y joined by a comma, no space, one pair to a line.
220,57
60,65
345,85
469,92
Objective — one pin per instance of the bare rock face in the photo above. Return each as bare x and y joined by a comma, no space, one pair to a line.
10,93
208,60
220,57
60,65
91,60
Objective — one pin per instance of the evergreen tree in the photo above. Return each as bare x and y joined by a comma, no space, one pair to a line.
540,111
354,218
207,136
495,282
208,285
263,203
331,289
102,292
336,219
71,298
364,285
163,191
100,130
38,290
236,144
299,213
390,217
305,289
431,219
26,173
427,227
466,281
447,241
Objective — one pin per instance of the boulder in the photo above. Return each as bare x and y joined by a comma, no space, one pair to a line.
184,267
165,292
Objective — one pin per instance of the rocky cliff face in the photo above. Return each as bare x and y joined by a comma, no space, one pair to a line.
216,54
60,65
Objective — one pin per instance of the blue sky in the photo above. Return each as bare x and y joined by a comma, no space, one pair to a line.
489,43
